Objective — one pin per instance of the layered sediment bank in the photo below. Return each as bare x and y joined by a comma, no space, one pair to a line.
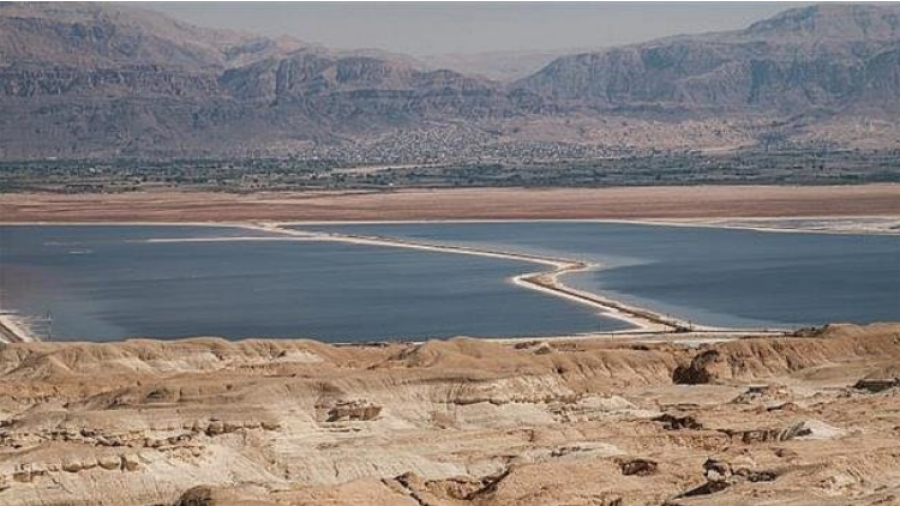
463,422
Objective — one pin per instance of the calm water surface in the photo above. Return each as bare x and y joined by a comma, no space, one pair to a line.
108,282
708,275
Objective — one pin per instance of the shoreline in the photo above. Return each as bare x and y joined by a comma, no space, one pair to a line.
542,281
736,223
627,203
13,331
547,282
742,223
643,320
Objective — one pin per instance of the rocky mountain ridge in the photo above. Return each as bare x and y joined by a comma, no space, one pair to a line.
98,80
819,56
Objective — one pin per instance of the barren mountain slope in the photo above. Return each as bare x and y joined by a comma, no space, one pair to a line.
463,422
106,80
502,66
98,80
825,56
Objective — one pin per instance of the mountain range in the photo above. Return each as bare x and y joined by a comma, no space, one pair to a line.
108,80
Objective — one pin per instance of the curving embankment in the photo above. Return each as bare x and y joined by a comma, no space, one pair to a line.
547,282
544,281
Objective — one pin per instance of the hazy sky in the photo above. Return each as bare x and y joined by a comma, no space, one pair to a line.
468,27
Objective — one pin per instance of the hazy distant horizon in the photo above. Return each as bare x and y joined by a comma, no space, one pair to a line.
426,28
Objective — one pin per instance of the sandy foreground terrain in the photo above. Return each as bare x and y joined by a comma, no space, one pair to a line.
806,420
514,203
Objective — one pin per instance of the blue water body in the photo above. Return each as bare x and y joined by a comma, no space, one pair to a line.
108,282
713,276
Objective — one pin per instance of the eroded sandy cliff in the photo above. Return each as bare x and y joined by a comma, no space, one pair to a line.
813,419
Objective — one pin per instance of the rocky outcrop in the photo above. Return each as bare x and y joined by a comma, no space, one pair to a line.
357,410
677,422
875,386
637,467
197,496
446,422
808,429
700,371
764,394
747,359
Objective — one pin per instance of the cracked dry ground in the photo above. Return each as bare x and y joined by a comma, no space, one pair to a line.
806,420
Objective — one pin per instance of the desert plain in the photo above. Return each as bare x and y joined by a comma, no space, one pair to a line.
632,203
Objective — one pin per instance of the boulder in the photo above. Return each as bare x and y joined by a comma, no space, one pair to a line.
675,422
704,368
874,386
197,496
637,467
110,463
129,463
360,410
